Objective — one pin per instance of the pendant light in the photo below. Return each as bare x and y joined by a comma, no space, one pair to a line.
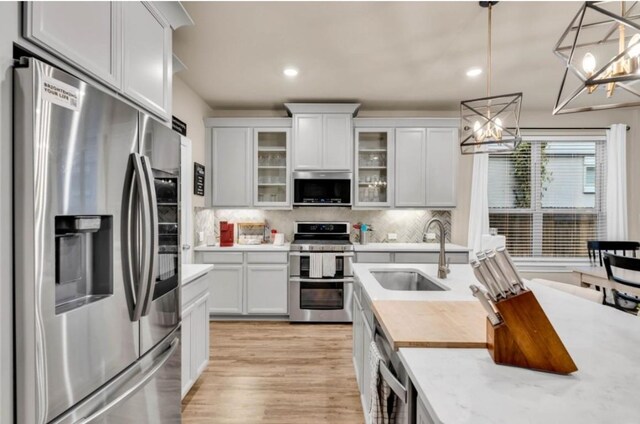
491,123
601,52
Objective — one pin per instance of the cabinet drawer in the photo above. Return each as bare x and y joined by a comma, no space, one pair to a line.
458,257
221,257
430,257
417,258
267,257
373,257
195,289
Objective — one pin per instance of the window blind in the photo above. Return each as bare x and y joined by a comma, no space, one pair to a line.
547,196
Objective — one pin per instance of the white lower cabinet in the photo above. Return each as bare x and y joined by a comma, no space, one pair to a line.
422,416
185,361
200,333
226,288
195,332
358,359
367,337
362,337
248,283
265,292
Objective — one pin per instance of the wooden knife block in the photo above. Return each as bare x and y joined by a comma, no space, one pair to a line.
526,338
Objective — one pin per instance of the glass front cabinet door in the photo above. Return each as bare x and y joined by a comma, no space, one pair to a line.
374,167
272,167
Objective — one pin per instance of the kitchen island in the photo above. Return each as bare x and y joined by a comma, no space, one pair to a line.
466,386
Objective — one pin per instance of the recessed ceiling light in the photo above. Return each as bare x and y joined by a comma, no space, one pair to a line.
290,72
474,72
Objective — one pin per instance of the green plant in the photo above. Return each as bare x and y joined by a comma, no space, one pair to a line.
522,167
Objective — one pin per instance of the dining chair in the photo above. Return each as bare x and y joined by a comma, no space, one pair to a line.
596,250
623,301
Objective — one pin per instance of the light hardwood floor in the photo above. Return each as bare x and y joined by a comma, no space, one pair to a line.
276,373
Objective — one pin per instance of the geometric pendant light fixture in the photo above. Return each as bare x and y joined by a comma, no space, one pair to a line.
490,124
601,52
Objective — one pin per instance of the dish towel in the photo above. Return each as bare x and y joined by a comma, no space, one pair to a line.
381,409
328,264
315,265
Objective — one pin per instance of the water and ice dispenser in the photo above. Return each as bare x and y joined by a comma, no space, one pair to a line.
84,260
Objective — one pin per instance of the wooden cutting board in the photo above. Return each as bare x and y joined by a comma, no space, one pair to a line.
440,324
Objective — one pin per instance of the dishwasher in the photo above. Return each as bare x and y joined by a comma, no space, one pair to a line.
395,375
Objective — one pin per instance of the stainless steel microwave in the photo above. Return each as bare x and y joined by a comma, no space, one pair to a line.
322,188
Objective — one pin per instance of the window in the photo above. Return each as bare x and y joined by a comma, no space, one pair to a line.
547,197
589,174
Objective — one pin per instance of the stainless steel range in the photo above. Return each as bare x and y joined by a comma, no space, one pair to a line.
321,276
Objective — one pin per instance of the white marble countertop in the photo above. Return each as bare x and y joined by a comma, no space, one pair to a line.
456,284
244,248
408,247
192,271
466,386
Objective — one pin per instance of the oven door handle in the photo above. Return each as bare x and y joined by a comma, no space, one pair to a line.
337,254
320,280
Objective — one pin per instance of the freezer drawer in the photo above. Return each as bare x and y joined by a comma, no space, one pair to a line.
148,392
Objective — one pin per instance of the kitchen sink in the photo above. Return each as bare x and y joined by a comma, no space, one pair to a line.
406,281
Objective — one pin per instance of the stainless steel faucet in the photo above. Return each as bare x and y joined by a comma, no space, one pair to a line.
443,266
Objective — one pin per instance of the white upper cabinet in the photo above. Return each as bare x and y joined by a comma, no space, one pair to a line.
322,136
426,167
147,57
442,166
126,45
411,152
230,152
83,33
374,167
307,139
337,146
271,167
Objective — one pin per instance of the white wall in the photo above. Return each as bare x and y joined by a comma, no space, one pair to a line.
190,108
8,32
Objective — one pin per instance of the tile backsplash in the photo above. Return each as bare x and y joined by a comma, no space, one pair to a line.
407,224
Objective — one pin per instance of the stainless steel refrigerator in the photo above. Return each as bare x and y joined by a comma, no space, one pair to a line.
97,264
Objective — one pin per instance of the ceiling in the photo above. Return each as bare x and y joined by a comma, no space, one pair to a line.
386,55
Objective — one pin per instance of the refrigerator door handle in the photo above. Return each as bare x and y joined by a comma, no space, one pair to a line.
153,234
143,280
131,391
128,228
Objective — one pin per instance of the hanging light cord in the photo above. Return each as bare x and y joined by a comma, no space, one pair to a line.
489,53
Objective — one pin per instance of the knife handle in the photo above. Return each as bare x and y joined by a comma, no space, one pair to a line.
491,275
487,277
512,278
477,270
501,278
504,253
484,301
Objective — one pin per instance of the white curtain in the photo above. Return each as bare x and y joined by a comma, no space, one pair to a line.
479,207
616,206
